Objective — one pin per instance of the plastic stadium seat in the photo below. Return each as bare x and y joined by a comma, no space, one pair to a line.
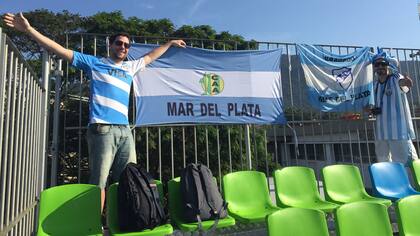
297,222
68,210
297,187
176,210
363,219
246,193
408,215
415,167
343,184
112,216
390,180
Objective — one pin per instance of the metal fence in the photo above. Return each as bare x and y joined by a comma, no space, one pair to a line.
23,134
322,138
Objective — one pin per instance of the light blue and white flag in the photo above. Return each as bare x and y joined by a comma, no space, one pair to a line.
190,85
337,83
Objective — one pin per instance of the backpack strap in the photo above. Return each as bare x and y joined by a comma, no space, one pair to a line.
207,190
213,228
154,197
144,183
211,204
194,168
200,224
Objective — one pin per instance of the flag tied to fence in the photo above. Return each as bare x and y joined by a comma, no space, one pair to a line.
337,83
190,85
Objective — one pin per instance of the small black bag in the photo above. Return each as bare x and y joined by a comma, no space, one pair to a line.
201,198
139,205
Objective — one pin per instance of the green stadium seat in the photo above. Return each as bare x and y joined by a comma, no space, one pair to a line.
68,210
112,216
363,219
176,210
246,193
343,184
415,169
408,215
297,222
297,187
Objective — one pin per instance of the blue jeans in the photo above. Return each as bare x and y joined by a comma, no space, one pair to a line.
111,148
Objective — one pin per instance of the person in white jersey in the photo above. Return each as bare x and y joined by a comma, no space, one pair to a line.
110,142
394,128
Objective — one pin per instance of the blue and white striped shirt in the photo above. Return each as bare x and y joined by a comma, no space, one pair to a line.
109,87
394,123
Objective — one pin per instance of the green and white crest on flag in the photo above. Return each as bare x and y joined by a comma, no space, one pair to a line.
212,84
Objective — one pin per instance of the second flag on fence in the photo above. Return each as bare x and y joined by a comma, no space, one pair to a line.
190,85
337,83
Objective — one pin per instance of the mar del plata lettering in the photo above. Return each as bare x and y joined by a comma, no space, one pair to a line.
213,109
342,98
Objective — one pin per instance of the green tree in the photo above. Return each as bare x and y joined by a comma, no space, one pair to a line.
53,25
105,23
162,27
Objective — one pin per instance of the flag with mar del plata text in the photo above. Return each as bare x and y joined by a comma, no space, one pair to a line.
337,83
190,85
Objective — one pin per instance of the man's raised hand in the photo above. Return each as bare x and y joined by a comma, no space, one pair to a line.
19,22
178,43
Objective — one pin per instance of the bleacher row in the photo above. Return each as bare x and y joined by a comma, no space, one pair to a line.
299,210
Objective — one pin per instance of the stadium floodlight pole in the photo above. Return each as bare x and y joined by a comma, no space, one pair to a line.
248,147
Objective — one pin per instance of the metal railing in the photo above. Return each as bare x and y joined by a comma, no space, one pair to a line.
323,138
23,139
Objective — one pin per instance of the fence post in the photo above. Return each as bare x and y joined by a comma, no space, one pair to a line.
44,125
56,121
248,147
3,65
3,59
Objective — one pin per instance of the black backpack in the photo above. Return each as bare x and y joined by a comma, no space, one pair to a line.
139,205
201,198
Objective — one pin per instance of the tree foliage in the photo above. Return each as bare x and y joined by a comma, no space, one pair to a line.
57,25
52,25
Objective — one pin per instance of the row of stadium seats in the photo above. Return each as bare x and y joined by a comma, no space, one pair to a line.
357,218
360,213
75,209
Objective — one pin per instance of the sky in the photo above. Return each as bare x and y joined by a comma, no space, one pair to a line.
385,23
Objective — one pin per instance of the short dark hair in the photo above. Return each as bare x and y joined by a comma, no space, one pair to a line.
114,36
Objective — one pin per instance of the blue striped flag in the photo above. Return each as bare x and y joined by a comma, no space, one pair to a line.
337,83
190,85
